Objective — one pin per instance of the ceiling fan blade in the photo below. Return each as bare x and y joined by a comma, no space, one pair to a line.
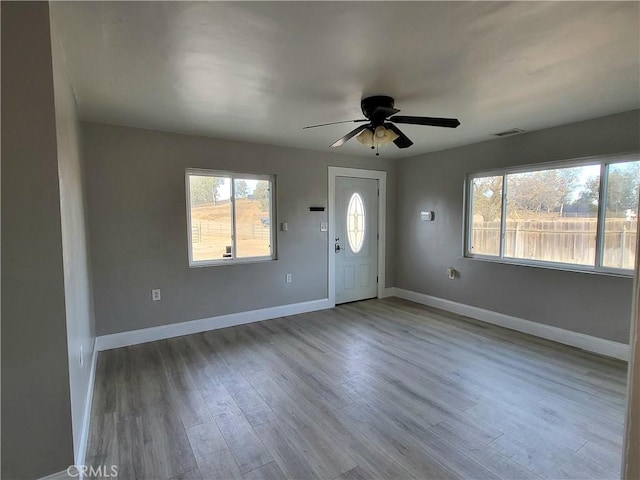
402,141
431,121
348,136
380,114
335,123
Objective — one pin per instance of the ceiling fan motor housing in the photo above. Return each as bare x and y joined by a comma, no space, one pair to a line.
370,104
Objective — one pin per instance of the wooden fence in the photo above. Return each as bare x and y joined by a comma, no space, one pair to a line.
567,240
205,228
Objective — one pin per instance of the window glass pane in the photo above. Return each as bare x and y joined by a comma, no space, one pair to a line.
253,220
486,210
355,223
621,217
210,217
552,215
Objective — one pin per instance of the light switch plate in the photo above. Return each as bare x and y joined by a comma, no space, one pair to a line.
323,227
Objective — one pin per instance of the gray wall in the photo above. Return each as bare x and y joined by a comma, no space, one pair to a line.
77,278
138,230
593,304
36,414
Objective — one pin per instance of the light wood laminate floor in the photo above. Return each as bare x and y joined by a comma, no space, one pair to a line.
376,389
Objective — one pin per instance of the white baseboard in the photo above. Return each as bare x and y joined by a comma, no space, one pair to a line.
567,337
575,339
135,337
387,292
61,475
86,419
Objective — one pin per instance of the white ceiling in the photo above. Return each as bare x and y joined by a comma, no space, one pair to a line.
261,71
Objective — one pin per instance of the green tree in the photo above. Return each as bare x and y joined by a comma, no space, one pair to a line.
217,186
261,193
242,189
487,198
622,190
545,191
205,189
587,201
622,187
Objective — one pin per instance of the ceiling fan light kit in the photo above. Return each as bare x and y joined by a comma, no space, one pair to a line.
380,112
375,138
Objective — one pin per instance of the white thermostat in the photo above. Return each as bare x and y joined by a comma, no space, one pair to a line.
426,216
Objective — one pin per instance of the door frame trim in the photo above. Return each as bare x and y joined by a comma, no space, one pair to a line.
381,177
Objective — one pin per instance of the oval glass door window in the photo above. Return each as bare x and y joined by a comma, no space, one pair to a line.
356,223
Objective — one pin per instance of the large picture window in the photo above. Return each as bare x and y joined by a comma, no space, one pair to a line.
230,217
580,215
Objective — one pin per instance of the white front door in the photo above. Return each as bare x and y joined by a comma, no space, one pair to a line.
356,239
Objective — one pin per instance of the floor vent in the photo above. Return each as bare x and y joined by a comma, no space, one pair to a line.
506,133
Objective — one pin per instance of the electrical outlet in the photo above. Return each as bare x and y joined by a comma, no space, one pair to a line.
288,278
323,227
155,295
81,356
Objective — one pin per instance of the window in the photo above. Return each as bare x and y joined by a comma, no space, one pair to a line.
621,216
355,223
580,216
230,217
486,211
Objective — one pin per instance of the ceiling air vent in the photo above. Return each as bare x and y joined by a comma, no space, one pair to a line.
506,133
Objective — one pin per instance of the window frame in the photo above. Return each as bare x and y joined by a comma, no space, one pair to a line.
598,267
233,176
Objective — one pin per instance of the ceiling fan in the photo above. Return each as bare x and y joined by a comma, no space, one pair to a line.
381,115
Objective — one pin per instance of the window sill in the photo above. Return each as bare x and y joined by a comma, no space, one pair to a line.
563,267
242,261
